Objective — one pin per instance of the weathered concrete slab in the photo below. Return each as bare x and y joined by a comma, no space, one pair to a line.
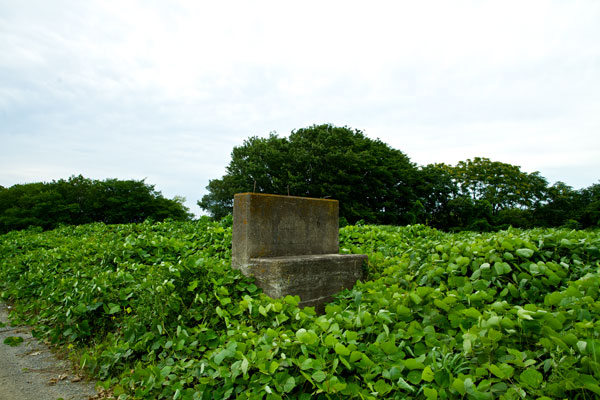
315,278
266,225
290,245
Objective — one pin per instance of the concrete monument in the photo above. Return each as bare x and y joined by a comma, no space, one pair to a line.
291,246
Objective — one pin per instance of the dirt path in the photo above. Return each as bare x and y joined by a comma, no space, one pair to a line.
29,371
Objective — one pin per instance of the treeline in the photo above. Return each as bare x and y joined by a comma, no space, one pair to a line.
79,200
378,184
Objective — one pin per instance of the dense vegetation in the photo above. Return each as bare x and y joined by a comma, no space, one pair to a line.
380,185
156,312
79,200
369,178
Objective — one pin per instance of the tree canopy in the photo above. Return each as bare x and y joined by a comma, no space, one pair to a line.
502,185
372,181
379,184
79,200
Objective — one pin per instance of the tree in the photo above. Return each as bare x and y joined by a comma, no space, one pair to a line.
502,185
590,206
371,180
562,204
80,200
436,188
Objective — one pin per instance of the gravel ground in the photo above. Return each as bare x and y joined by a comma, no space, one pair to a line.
30,371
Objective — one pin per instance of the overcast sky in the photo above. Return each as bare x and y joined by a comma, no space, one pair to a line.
164,90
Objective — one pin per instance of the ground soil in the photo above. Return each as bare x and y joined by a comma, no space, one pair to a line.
31,371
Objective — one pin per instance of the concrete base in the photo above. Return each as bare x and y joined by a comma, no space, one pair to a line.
315,278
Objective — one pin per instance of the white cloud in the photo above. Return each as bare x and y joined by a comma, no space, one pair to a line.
164,90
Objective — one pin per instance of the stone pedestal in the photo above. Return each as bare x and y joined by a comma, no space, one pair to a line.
315,278
290,245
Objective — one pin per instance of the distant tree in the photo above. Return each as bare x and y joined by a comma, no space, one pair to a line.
464,213
515,217
219,200
562,203
371,180
80,200
379,184
590,207
435,189
503,185
479,194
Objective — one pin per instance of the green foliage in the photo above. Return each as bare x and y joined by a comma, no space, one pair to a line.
590,206
502,185
156,312
13,341
371,180
379,184
436,189
483,195
79,200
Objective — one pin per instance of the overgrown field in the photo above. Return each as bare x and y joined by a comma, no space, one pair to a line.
155,311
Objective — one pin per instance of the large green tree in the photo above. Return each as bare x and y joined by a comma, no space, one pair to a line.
79,200
562,204
479,194
503,185
590,206
436,189
565,206
372,181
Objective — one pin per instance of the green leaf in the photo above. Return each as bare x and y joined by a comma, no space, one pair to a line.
412,364
427,374
403,311
402,384
341,349
330,340
273,367
414,377
531,377
524,314
307,364
113,308
467,345
223,354
319,376
441,305
499,387
496,371
499,268
355,356
392,373
389,347
474,393
415,298
430,393
307,337
592,387
462,261
471,313
525,253
289,384
381,387
193,285
245,365
459,386
13,341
